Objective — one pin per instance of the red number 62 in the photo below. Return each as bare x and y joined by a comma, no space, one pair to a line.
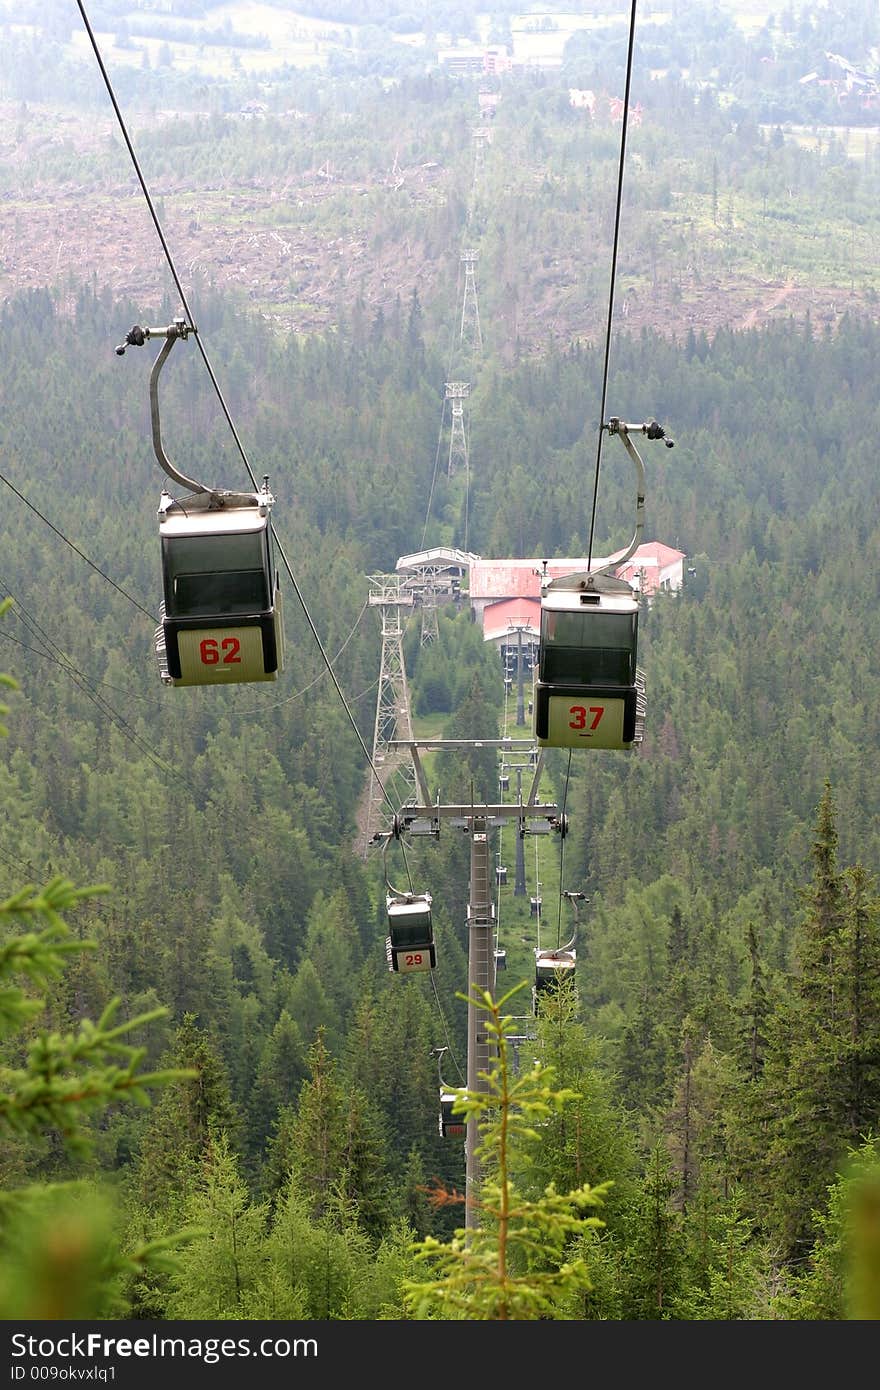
210,654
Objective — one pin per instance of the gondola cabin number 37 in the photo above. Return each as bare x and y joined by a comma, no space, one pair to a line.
587,694
590,692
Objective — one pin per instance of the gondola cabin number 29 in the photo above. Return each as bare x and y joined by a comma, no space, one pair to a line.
409,945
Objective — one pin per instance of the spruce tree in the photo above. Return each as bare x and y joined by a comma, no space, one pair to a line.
515,1261
63,1254
335,1144
183,1123
655,1268
820,1086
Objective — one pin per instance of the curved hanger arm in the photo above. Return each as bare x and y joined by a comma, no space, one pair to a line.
614,426
136,337
438,1053
652,431
395,892
573,899
158,449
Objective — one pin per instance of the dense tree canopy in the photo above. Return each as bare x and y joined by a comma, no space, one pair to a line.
721,1047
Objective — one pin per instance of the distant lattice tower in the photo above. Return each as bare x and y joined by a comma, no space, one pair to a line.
482,137
430,629
393,716
457,392
470,310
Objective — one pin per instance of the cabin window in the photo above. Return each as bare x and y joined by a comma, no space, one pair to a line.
409,924
408,933
590,648
548,975
206,575
229,592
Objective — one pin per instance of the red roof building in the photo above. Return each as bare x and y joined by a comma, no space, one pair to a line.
654,568
506,594
508,616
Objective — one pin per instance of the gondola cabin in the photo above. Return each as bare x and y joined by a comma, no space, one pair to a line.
589,692
451,1126
410,942
221,620
553,970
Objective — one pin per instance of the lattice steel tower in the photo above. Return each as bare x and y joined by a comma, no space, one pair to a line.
457,392
470,331
430,629
393,714
482,136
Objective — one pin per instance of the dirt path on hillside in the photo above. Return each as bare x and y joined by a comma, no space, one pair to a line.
761,312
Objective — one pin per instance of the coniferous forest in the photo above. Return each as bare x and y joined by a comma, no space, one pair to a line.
215,1097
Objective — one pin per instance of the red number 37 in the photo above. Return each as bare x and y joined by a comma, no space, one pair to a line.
580,716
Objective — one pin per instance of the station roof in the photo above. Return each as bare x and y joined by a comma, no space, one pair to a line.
505,579
494,580
498,579
504,618
443,556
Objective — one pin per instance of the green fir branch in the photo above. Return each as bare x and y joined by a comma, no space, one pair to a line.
512,1264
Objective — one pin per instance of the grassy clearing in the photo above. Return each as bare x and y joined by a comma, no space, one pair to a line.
857,142
291,40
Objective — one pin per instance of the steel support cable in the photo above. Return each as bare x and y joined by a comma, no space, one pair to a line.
459,296
562,853
20,495
360,695
210,370
298,694
392,889
614,247
142,181
498,886
17,864
434,474
314,631
161,235
65,666
82,682
442,415
538,903
467,481
461,1075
